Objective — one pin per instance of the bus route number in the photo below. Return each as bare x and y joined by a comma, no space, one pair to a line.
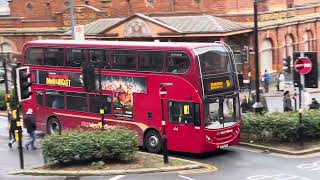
216,85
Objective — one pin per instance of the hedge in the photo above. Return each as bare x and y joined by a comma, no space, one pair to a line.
2,101
280,126
90,146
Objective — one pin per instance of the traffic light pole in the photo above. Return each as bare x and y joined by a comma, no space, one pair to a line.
300,111
18,120
100,91
257,105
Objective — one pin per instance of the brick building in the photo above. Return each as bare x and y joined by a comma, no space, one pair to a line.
284,25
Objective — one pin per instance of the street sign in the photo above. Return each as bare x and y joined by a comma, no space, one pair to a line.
79,32
303,65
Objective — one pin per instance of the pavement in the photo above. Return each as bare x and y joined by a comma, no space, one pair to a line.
192,165
288,86
269,149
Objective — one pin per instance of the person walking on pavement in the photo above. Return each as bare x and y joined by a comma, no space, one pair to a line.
287,106
314,104
12,128
30,125
306,99
280,81
267,80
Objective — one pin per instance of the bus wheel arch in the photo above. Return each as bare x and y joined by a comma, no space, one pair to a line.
152,140
53,125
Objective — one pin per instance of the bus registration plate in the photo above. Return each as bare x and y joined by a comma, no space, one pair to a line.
223,146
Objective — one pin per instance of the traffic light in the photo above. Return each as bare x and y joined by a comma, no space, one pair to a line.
311,79
245,54
287,64
88,77
23,83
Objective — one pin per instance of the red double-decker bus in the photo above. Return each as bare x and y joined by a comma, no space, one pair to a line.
200,109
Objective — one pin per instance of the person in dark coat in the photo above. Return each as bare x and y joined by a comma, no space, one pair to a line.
314,104
12,128
30,125
287,106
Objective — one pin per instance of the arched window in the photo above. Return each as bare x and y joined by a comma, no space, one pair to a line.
288,46
266,57
307,41
6,47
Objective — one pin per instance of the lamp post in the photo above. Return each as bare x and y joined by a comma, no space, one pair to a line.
71,18
6,56
257,105
163,93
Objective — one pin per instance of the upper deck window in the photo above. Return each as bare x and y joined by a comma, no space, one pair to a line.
33,56
151,61
100,57
76,57
54,57
125,60
214,60
177,62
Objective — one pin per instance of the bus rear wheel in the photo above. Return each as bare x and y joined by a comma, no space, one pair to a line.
53,126
152,141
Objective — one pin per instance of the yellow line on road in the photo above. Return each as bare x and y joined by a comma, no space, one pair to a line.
206,168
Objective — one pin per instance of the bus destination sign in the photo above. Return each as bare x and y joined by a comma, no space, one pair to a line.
218,85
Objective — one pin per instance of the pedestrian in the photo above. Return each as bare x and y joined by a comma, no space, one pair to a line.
306,99
30,124
314,104
12,128
287,105
267,80
246,104
262,99
280,81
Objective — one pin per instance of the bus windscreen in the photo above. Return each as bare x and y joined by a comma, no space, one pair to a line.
214,60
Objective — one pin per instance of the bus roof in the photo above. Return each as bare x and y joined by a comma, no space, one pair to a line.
141,44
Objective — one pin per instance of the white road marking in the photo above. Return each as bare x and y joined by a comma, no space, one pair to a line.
117,177
185,177
315,166
277,177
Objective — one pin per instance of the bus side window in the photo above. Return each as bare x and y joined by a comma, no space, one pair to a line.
197,116
76,101
151,61
99,57
184,112
96,101
54,57
177,62
76,57
34,56
39,96
124,60
54,99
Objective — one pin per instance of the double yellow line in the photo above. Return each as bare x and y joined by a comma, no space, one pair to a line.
206,168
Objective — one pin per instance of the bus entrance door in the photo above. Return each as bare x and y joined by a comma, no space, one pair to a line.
181,130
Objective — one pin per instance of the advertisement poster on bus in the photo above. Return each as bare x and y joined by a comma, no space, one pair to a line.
123,88
67,79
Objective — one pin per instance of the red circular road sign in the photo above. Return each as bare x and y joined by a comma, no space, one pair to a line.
303,65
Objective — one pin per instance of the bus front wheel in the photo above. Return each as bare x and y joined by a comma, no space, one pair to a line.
53,126
152,141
